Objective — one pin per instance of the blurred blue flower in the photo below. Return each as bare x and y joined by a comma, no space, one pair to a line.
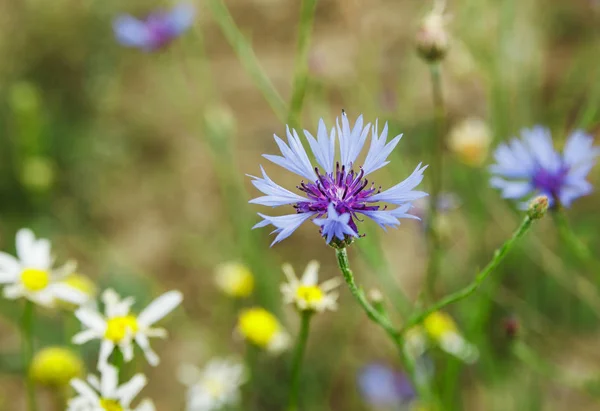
382,386
155,31
337,193
530,166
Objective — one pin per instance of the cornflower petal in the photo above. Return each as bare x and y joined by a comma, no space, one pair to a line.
275,194
351,141
285,225
335,225
324,147
180,18
402,192
131,32
532,165
294,157
379,150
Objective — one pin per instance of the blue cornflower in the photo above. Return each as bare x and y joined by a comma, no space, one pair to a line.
531,166
382,386
155,31
336,193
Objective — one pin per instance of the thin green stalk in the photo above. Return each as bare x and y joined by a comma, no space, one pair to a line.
570,239
372,313
297,360
27,330
479,279
434,243
379,318
307,15
244,51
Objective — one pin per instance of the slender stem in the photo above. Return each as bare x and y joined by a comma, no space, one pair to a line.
27,330
436,181
307,14
244,51
479,279
422,386
570,239
297,361
372,313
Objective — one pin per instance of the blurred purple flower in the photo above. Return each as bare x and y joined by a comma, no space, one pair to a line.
531,166
155,31
381,386
336,195
445,202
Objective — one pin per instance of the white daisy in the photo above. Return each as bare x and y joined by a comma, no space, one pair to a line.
305,293
105,394
215,386
31,274
118,327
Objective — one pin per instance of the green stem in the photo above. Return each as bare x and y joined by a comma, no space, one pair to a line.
244,51
297,360
434,243
27,330
479,279
422,387
307,15
372,313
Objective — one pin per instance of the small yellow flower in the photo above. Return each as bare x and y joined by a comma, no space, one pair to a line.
234,279
81,283
437,324
470,141
442,330
262,328
305,293
55,366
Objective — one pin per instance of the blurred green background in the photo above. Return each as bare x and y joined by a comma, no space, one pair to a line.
134,165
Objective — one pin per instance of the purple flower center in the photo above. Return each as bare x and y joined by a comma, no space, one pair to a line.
347,190
550,182
160,31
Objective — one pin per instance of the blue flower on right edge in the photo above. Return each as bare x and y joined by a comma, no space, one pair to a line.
531,166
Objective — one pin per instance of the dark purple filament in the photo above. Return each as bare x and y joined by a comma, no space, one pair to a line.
550,182
348,191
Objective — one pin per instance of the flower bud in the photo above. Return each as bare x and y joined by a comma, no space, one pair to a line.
538,207
432,39
55,367
512,327
470,141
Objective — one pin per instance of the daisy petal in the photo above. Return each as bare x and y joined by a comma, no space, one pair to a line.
160,307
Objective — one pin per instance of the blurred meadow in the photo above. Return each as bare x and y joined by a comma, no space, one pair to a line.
134,164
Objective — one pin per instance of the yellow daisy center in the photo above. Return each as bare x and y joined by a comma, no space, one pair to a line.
309,293
214,387
117,327
258,326
437,324
110,405
34,279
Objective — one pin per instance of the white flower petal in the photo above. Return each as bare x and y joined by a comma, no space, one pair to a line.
109,381
25,243
85,336
69,294
9,268
13,291
106,348
311,273
91,319
145,405
159,308
144,344
84,390
128,391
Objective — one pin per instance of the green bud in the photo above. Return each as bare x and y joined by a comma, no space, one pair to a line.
538,207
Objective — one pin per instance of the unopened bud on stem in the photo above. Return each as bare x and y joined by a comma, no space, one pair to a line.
538,207
432,39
